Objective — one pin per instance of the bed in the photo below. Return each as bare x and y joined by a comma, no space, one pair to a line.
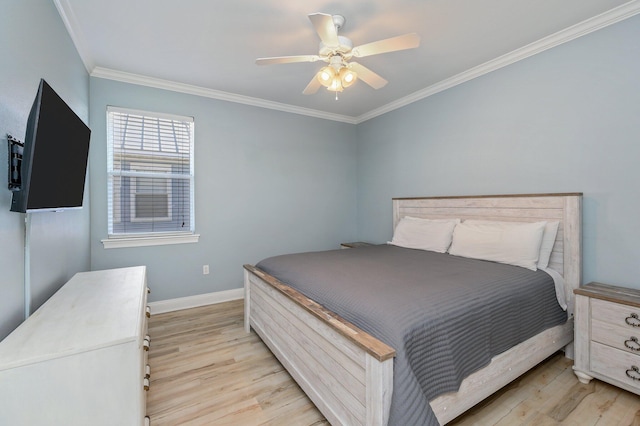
357,379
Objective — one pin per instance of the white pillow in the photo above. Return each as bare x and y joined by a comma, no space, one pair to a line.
424,234
511,243
548,238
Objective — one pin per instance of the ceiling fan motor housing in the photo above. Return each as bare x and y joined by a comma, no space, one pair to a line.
344,46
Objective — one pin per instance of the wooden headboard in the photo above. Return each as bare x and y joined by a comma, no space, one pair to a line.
566,256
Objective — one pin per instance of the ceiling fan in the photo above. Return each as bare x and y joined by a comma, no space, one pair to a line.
338,51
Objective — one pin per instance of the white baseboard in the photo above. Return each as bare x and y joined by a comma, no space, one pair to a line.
180,303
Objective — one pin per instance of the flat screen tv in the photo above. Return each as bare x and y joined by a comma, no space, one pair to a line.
54,158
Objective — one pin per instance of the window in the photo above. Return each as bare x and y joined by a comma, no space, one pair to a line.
150,178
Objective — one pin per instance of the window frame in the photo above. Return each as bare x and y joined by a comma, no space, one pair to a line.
137,239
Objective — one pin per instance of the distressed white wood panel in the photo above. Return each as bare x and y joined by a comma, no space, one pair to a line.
582,332
615,336
318,342
284,355
504,368
572,246
247,301
99,387
523,215
346,347
613,365
67,324
348,374
322,388
349,409
614,313
379,388
488,201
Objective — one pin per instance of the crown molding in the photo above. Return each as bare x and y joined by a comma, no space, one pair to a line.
590,25
158,83
580,29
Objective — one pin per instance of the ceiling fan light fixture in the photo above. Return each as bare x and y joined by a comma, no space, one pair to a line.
347,77
336,85
336,80
326,76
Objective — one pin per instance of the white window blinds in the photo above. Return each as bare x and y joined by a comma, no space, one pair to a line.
150,173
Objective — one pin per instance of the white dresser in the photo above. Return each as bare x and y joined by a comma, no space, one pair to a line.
81,359
607,335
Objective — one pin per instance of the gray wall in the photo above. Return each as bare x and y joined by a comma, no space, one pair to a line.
266,183
565,120
34,44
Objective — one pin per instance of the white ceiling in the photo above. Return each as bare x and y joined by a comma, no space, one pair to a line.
209,46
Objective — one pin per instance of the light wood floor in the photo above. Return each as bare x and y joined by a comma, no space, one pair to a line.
205,370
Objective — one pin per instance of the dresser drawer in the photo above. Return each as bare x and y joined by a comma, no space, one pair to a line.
616,364
619,337
616,313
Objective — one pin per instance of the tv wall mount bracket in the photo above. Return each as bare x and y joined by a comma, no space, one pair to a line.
16,147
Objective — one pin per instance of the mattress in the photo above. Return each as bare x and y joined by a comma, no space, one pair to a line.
445,316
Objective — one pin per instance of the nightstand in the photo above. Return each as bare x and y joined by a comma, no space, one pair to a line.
354,245
607,335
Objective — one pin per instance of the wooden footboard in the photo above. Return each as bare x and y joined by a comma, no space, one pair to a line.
346,372
504,368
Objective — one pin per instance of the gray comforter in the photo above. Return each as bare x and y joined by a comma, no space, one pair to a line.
445,316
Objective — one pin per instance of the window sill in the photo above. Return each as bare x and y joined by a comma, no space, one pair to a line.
155,240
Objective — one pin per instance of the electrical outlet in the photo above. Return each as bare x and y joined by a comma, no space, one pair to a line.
205,269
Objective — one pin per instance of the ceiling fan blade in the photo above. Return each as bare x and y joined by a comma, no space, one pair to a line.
312,87
368,76
287,59
325,28
407,41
